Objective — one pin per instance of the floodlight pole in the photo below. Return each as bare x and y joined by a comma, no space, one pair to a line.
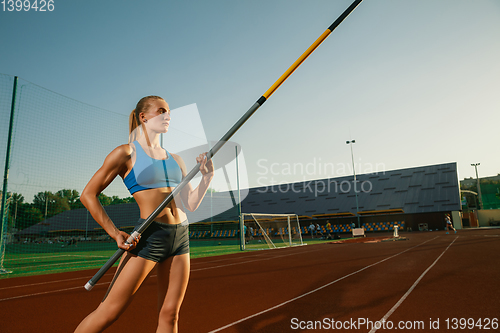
242,231
479,197
355,189
177,190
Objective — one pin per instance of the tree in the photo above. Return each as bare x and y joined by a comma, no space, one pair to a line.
114,200
46,204
50,204
104,199
72,197
129,200
14,202
27,216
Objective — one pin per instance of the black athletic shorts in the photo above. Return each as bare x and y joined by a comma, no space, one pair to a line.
161,241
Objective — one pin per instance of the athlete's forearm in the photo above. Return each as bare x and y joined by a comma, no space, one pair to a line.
195,197
97,211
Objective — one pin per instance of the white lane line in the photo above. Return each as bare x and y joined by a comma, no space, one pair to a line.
315,290
59,290
65,263
223,259
46,257
254,260
46,292
49,282
391,311
57,281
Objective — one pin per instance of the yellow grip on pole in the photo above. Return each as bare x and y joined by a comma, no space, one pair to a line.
296,64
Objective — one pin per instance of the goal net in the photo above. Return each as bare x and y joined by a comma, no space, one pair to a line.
270,231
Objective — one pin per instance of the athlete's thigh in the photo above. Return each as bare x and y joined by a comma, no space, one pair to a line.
173,278
129,276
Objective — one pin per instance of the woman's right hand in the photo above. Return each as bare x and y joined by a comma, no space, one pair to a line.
121,239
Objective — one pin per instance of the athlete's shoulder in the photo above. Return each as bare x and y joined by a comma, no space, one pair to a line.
123,150
120,154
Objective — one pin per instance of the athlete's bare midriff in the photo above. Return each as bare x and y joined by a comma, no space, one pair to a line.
149,200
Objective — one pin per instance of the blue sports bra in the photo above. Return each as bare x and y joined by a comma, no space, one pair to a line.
148,173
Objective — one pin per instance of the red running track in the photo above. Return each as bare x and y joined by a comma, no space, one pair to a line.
423,281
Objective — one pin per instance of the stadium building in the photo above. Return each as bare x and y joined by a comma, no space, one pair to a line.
418,196
414,198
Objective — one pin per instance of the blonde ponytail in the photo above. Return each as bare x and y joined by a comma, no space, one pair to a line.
133,123
134,119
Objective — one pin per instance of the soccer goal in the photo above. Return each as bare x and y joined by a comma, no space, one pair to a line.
270,231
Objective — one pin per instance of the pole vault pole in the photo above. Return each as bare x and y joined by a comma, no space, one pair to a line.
139,230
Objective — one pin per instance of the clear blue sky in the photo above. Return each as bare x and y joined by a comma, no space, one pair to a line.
414,82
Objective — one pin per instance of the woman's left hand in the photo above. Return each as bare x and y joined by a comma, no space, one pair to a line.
205,167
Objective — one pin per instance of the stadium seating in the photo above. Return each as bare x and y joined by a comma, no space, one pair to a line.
283,231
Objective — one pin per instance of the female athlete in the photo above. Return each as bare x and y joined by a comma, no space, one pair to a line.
150,174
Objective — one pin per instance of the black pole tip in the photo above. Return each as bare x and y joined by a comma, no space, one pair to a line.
261,100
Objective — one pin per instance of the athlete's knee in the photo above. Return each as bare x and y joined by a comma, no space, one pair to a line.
109,313
169,314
